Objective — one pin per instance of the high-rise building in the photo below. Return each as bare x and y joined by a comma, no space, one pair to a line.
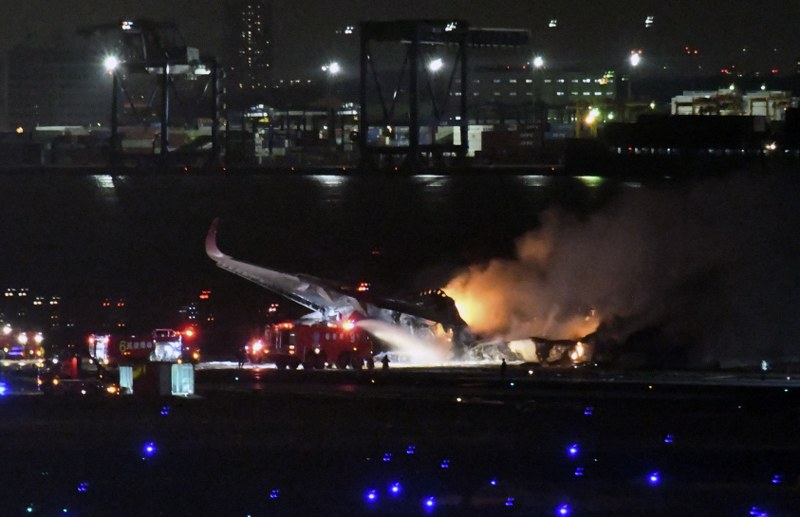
249,69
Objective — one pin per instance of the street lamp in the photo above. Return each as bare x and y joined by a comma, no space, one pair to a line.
435,64
111,63
538,62
331,69
634,60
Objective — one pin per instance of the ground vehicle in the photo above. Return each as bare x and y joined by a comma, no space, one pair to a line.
77,374
20,345
315,344
161,345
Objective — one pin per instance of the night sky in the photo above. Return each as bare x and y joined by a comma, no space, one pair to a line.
589,33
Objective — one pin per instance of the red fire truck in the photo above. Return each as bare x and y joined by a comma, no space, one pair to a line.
161,345
20,345
314,345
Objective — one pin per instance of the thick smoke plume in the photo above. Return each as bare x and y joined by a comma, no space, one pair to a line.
713,267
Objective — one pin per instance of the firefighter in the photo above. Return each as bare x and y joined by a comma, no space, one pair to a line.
241,354
385,361
503,367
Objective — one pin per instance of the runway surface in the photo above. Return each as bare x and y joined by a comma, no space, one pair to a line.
409,441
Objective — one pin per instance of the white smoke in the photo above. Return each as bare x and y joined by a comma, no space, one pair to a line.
713,265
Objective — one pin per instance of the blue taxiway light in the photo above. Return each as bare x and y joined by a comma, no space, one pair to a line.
411,449
371,496
395,489
654,478
579,472
149,449
387,457
83,487
573,449
669,438
445,464
563,510
165,410
588,411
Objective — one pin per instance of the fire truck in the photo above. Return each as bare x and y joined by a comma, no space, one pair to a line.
315,345
161,345
20,345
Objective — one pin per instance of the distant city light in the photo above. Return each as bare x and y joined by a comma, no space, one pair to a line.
649,21
435,64
636,58
538,62
553,23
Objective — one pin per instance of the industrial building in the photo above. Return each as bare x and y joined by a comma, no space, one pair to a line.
730,101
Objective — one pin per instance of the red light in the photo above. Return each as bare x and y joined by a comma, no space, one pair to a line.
348,325
775,70
188,332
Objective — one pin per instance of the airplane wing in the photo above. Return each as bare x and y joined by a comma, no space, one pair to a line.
310,292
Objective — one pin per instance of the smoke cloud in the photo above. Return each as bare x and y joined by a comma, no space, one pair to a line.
713,266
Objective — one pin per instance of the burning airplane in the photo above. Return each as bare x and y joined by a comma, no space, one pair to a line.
430,317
